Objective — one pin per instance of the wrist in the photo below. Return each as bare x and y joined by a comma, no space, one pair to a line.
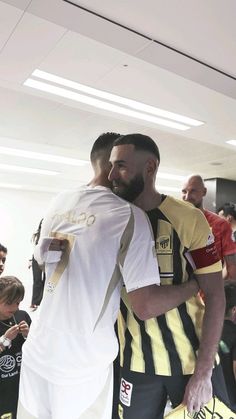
204,373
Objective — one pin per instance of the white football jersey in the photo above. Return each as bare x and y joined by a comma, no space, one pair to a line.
109,243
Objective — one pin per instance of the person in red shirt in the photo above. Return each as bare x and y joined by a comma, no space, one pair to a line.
193,191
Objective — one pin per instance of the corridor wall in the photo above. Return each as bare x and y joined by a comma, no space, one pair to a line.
20,213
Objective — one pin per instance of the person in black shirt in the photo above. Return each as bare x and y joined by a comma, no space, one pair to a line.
228,342
14,328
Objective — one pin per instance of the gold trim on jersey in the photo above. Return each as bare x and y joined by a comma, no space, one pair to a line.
116,276
63,262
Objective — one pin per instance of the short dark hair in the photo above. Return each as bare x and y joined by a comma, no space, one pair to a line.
103,143
230,296
3,248
11,289
229,208
140,142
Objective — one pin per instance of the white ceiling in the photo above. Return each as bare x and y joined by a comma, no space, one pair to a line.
129,59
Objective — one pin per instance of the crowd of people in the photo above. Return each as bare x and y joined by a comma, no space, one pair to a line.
133,305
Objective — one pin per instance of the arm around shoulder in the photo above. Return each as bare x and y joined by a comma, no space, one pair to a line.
154,300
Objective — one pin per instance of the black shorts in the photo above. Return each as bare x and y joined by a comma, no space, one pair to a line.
145,397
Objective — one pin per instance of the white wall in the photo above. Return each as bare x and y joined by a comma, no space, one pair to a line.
20,213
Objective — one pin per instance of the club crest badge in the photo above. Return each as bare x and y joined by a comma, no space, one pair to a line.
164,245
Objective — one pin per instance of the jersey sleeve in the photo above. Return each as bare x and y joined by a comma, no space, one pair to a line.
137,257
228,245
202,253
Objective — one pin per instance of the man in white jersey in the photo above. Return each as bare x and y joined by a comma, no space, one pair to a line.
67,359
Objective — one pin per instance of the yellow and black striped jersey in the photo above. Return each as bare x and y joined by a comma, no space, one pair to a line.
168,344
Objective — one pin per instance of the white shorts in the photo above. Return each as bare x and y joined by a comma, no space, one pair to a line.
41,399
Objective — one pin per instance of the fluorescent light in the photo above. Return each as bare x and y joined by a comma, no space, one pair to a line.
30,188
116,99
42,156
68,94
10,186
170,176
232,142
13,168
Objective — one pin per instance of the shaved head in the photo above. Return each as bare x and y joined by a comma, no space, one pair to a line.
197,180
194,190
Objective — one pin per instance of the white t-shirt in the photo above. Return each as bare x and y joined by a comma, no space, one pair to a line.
110,242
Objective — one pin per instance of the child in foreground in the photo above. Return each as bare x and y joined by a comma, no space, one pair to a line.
14,328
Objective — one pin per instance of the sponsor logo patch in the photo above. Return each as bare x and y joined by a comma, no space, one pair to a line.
125,392
210,239
205,256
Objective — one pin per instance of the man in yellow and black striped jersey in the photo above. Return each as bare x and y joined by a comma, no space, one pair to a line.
172,355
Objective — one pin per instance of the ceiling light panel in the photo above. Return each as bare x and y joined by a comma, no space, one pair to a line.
107,101
32,188
13,168
231,142
88,100
116,99
10,185
42,156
